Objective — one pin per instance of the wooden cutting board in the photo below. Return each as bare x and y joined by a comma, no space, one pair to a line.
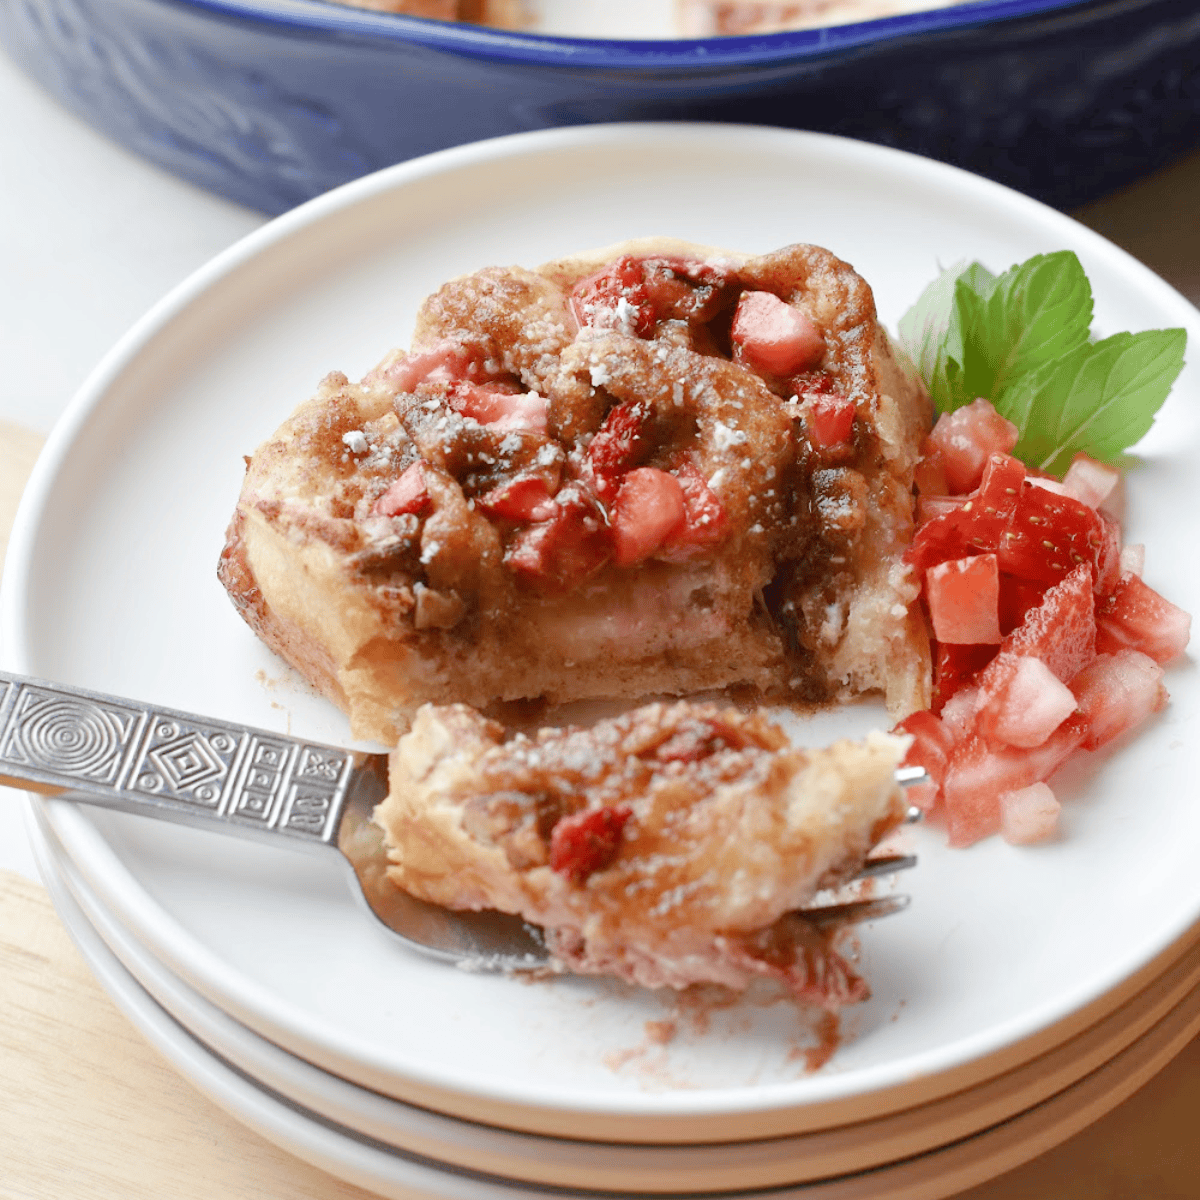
89,1111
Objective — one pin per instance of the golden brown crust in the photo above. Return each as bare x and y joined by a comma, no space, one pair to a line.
801,592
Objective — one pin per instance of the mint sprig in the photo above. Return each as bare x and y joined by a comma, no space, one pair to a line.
1023,340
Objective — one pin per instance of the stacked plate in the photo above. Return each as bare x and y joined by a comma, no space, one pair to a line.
1022,994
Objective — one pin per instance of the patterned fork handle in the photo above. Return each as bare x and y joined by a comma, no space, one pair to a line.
82,745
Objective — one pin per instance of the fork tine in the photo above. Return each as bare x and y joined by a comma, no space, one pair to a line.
833,916
885,864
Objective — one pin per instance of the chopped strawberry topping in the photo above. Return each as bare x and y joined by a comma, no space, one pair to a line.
1133,559
619,442
773,337
966,437
931,507
1017,598
975,779
941,538
525,498
994,505
1021,701
620,291
440,363
929,475
649,505
499,407
1117,692
705,523
976,523
964,600
1061,630
1083,637
633,294
1090,481
1029,815
979,773
958,713
407,495
1137,617
954,666
1049,535
828,419
587,841
1108,555
558,554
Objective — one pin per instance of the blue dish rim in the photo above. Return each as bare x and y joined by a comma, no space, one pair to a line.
338,20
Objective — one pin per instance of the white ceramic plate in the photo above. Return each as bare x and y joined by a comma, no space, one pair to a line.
110,584
399,1176
610,1166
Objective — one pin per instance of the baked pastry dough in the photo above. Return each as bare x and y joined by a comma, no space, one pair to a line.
653,469
669,846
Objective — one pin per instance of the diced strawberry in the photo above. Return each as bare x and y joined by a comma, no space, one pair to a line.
1137,617
1017,597
773,337
498,406
828,419
617,291
929,475
440,363
965,438
1049,535
407,495
1061,630
1116,692
941,538
1108,556
1041,761
617,446
705,522
1021,701
683,288
954,667
587,841
1050,484
930,749
558,554
1133,559
1090,481
649,505
975,780
958,713
955,527
929,507
964,599
525,498
996,500
1029,815
978,774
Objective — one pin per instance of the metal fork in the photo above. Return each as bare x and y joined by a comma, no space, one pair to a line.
80,745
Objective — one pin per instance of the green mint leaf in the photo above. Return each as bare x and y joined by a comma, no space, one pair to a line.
931,332
1031,315
1098,398
1021,339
